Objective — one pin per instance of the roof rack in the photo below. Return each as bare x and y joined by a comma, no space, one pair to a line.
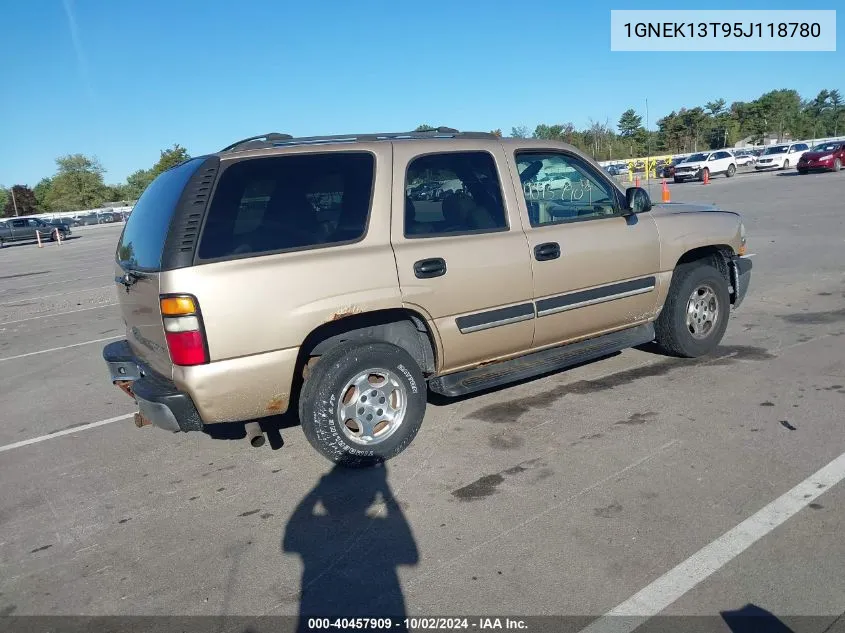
275,139
267,138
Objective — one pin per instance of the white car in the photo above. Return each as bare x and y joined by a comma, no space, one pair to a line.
744,158
695,166
781,156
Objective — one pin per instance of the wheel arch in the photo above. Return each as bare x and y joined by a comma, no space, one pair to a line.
402,327
720,256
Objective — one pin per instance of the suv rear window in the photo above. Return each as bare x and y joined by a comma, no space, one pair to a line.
280,203
142,241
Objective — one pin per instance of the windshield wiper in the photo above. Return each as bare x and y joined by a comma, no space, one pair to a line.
129,278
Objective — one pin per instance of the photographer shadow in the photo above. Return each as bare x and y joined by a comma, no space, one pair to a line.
351,535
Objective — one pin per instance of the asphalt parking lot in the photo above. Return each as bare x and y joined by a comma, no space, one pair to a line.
566,495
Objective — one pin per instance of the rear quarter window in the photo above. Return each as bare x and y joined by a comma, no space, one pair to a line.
142,242
280,203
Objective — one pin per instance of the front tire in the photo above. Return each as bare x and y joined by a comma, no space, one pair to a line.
678,180
694,318
705,173
362,404
785,164
837,165
731,170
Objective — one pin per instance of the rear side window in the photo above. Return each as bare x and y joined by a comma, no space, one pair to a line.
279,203
453,193
146,229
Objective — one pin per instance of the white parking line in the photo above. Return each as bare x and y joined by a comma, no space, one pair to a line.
53,283
56,349
75,429
58,294
47,316
651,600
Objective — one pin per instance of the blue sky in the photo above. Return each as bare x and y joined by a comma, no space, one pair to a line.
122,80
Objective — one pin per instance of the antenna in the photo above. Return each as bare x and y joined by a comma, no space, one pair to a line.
648,150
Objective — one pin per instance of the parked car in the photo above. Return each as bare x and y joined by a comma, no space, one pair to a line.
60,223
19,229
826,157
744,158
696,166
89,219
667,169
477,290
617,169
781,156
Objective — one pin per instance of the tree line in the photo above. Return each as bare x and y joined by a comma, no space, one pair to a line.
780,113
79,182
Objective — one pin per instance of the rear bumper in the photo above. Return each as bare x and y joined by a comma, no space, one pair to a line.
740,278
159,400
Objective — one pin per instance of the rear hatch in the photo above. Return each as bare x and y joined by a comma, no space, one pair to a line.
159,235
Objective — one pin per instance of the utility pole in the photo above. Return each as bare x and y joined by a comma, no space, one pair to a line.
14,202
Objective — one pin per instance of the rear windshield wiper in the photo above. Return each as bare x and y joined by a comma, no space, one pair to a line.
129,278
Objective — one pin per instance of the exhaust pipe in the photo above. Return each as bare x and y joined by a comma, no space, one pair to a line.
254,434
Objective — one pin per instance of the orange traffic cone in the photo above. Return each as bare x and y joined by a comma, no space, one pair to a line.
666,196
706,177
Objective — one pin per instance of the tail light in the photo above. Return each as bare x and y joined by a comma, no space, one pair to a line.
184,330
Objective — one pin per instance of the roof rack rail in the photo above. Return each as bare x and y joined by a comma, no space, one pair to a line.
275,139
269,137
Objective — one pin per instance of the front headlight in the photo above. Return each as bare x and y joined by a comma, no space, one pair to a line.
826,157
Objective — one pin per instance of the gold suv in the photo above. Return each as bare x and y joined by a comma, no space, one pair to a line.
344,277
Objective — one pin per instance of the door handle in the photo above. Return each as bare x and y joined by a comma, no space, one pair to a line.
547,251
428,268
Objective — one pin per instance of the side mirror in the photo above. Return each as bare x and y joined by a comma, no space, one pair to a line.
638,200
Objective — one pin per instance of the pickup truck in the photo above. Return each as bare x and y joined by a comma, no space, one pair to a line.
20,229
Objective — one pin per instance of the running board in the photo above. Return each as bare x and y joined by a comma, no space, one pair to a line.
536,363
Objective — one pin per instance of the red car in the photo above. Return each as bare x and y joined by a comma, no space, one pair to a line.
827,156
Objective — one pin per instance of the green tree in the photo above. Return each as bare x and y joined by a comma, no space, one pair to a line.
715,108
496,132
520,131
78,184
4,197
695,123
21,199
425,127
136,182
780,110
629,123
117,193
42,193
170,158
836,109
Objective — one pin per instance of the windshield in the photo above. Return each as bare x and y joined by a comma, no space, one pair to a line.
778,149
826,147
696,158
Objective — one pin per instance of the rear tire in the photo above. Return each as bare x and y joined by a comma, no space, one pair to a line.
330,384
686,327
